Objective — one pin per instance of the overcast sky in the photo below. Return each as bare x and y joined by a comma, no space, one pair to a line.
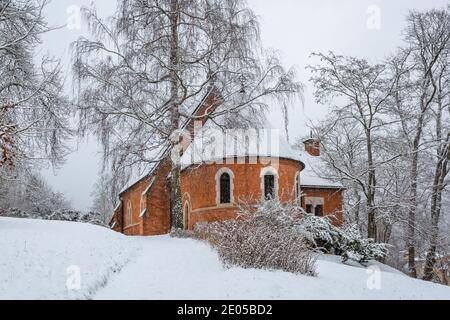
370,29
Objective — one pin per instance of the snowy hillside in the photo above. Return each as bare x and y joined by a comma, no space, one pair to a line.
35,257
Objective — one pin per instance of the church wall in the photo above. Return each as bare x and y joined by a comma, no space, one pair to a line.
199,188
198,185
157,218
333,199
133,195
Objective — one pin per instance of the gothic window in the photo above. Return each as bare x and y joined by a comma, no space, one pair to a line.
309,208
225,188
269,187
297,187
130,214
143,206
186,216
269,184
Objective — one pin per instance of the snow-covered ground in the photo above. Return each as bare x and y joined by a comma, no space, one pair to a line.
35,257
39,258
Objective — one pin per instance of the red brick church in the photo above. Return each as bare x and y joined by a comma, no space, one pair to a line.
221,170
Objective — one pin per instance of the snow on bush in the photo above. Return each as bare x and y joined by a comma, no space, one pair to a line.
355,247
76,216
14,213
59,215
348,243
184,234
263,238
320,232
277,236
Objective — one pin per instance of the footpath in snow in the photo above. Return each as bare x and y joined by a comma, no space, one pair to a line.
38,259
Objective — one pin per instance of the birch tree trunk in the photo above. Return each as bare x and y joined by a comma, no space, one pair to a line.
175,184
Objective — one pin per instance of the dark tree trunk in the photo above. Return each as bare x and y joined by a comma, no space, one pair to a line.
371,210
413,202
411,227
436,206
441,171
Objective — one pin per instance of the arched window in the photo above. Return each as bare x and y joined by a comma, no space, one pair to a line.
186,216
143,205
129,213
297,187
269,187
269,184
225,188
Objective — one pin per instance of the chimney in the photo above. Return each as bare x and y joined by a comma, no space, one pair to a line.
312,146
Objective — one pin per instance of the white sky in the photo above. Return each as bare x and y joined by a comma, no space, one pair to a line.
294,27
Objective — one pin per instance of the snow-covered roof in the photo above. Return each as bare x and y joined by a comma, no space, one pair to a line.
312,177
157,155
212,144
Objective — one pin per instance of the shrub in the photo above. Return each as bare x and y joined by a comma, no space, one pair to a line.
355,247
59,215
75,216
320,233
263,238
275,236
348,243
14,213
184,234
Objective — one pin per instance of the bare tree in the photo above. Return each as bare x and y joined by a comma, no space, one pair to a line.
33,111
364,92
104,197
388,123
343,148
442,167
427,37
148,66
31,194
